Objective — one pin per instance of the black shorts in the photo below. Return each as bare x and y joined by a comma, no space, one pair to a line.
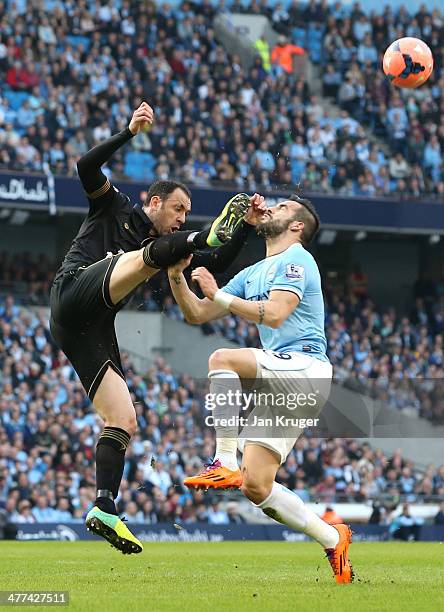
82,322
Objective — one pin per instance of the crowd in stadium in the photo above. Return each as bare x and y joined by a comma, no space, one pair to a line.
71,73
48,431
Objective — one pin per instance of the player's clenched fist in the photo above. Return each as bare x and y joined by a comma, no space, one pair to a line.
142,116
257,209
206,282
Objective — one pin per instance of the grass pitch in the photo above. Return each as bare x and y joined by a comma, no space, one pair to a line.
227,577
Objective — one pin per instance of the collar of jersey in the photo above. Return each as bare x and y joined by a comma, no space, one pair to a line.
139,213
296,244
141,220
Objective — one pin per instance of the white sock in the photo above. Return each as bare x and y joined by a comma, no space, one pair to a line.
222,382
287,508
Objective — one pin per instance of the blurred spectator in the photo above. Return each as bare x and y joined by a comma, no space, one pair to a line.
233,514
376,515
398,167
43,512
8,531
217,516
283,53
263,48
405,526
439,517
23,514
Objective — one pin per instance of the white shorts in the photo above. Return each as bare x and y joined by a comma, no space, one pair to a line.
293,375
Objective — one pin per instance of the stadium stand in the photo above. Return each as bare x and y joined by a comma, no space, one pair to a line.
215,120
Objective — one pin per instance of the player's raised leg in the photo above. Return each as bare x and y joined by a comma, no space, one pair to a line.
113,402
227,368
259,469
135,267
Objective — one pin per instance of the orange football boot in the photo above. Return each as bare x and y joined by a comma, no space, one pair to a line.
338,556
215,476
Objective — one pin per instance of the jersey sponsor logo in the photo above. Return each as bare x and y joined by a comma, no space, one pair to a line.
295,271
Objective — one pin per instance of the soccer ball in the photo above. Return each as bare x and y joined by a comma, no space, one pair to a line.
408,62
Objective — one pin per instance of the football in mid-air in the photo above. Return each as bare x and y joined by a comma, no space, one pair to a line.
408,62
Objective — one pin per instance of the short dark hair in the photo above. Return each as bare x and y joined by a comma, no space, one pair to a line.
309,216
165,188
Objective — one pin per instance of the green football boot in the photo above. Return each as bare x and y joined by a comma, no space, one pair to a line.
223,228
113,530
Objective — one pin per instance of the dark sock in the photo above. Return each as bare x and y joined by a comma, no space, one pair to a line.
168,250
200,239
110,461
106,505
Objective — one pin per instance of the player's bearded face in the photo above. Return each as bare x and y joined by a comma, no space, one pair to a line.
272,227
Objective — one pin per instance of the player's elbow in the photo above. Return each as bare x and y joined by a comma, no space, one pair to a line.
194,318
275,322
276,314
84,171
275,319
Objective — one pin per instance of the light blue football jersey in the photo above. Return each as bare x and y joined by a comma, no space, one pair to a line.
292,270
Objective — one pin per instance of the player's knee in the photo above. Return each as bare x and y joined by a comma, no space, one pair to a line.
132,425
219,360
129,424
139,262
256,492
128,263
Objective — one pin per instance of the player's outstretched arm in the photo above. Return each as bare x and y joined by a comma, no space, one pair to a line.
89,165
195,310
272,312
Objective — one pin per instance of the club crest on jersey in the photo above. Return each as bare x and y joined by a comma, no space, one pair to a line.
295,271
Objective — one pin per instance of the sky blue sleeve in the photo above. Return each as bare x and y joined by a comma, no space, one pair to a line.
292,273
236,286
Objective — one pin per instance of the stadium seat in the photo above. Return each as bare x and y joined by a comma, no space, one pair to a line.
77,41
297,170
315,54
16,98
314,33
172,3
299,36
140,166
